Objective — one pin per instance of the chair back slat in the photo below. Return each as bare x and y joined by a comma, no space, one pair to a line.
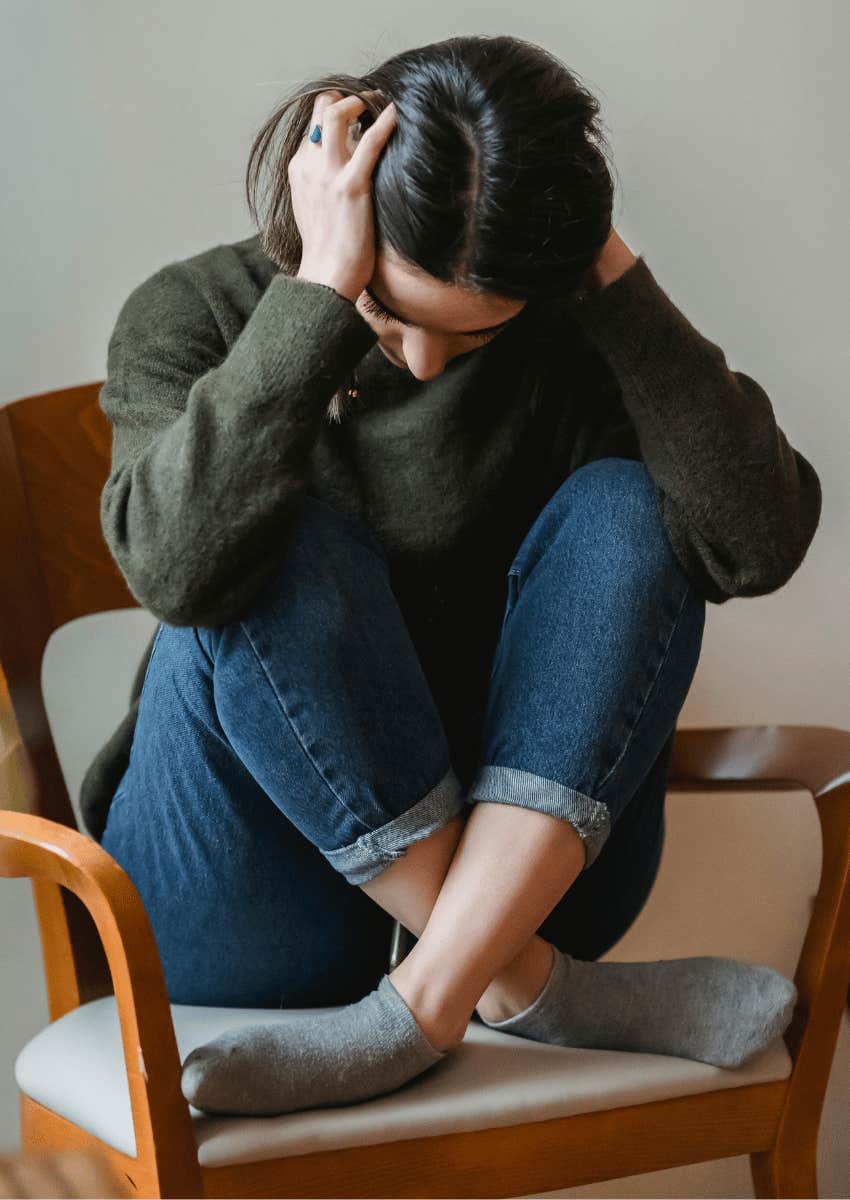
54,566
62,441
54,461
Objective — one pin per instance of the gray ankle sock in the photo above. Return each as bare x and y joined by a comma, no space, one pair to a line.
715,1010
362,1050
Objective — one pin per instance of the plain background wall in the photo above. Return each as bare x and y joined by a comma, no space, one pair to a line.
126,133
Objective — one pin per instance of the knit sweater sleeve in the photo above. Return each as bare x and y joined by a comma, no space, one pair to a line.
209,445
739,503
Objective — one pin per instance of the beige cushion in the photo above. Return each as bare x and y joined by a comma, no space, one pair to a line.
723,888
75,1068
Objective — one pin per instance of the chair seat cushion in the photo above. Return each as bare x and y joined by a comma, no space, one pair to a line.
75,1068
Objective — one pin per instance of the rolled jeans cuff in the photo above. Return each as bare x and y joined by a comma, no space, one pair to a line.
590,818
362,860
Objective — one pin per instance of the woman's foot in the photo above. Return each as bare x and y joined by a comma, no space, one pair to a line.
311,1061
441,1021
519,984
712,1009
444,1018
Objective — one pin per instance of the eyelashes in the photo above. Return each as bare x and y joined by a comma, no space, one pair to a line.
377,310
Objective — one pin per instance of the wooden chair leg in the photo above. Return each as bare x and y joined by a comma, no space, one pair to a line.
786,1170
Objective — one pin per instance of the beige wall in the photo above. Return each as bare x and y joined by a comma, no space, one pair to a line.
127,127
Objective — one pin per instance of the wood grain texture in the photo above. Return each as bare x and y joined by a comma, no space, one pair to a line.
54,566
62,443
59,1173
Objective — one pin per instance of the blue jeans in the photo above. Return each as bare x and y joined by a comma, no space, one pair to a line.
283,757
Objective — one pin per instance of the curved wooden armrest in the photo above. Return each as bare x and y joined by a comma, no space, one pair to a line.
36,848
761,757
816,758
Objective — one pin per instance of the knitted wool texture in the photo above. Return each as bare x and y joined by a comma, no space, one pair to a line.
220,371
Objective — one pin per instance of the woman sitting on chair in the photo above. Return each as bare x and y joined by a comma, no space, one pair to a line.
429,484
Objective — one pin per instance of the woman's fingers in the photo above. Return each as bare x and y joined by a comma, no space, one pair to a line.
330,192
336,114
371,144
335,118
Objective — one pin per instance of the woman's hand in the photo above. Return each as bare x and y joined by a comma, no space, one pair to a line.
613,260
330,182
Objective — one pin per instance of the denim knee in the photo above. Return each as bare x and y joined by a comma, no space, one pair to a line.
319,690
600,638
309,514
320,541
615,497
331,564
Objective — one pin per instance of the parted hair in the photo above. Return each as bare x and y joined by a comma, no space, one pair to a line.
496,177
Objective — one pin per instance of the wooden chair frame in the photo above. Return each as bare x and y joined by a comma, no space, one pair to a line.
96,937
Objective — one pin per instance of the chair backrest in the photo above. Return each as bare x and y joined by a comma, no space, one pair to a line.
55,452
54,461
96,657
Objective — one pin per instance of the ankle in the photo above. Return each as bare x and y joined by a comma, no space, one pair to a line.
519,984
442,1021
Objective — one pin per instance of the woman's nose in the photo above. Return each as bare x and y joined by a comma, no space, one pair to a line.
425,360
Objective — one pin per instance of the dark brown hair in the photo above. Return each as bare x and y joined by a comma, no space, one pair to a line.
495,178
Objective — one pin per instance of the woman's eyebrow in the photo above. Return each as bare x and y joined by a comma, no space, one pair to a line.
460,333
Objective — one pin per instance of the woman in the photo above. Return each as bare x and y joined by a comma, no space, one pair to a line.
429,485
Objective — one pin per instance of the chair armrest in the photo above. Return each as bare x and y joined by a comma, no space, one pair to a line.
36,848
816,758
761,757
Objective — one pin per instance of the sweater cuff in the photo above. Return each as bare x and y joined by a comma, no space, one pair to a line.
635,325
330,288
301,330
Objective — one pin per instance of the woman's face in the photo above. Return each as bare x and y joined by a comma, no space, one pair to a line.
423,323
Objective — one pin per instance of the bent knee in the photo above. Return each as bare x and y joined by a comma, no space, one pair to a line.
330,564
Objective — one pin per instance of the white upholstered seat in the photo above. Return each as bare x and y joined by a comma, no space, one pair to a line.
722,888
75,1067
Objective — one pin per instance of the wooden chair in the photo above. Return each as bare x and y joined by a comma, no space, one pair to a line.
60,1173
99,949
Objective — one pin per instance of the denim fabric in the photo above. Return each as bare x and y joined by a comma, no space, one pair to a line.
283,757
599,645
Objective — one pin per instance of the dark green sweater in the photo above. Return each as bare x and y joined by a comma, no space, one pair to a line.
219,375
